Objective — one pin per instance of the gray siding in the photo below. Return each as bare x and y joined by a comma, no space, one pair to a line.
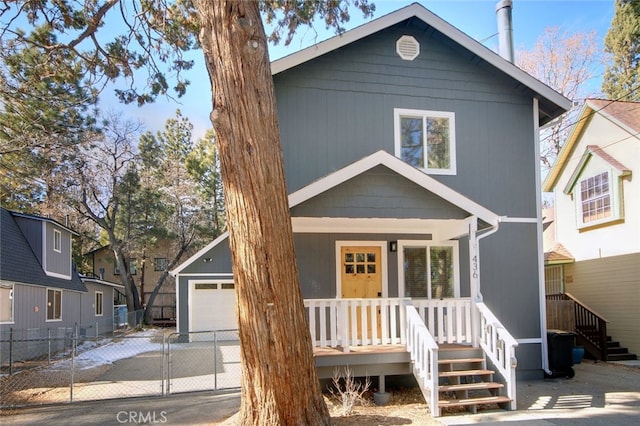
220,263
338,108
57,262
379,193
510,286
92,323
29,298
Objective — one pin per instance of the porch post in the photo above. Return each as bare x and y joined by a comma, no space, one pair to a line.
474,280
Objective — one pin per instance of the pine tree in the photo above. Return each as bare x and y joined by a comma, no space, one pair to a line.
621,80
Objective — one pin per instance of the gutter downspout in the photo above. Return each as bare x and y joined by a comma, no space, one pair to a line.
541,286
474,266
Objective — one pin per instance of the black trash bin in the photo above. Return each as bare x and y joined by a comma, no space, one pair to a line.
560,347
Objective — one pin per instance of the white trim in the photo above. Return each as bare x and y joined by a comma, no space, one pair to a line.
95,301
423,114
56,275
420,12
207,275
506,219
427,244
196,256
46,301
442,229
531,341
542,300
362,243
57,232
11,286
384,158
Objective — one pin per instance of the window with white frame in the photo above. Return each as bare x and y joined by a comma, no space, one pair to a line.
426,139
57,241
98,301
428,269
54,305
595,198
6,302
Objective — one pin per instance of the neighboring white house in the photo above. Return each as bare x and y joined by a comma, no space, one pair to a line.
597,215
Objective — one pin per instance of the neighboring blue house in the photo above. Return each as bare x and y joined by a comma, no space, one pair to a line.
41,294
411,154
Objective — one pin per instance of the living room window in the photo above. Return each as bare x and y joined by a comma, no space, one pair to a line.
428,269
426,139
54,305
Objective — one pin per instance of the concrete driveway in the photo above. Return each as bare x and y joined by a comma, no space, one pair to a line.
599,394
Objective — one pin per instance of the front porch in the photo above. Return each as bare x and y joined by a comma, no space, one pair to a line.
395,336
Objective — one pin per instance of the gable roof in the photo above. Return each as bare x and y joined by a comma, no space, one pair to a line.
18,262
588,153
624,114
403,169
551,103
367,163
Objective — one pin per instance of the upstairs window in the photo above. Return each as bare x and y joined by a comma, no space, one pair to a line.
57,241
426,140
160,264
595,198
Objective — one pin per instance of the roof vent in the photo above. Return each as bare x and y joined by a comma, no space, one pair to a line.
407,48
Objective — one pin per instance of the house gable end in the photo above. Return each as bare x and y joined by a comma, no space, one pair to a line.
604,161
551,103
379,193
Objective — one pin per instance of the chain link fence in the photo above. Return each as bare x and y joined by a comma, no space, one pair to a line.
152,362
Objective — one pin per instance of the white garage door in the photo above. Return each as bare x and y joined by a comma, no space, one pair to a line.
213,306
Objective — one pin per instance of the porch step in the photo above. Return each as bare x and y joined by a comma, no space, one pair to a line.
466,382
474,401
470,386
462,373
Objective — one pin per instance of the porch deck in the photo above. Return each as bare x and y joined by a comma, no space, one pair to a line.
387,336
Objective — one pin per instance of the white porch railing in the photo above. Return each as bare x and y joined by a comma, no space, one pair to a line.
377,322
448,320
331,321
423,351
500,348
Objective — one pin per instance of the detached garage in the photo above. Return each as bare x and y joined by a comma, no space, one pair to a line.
206,298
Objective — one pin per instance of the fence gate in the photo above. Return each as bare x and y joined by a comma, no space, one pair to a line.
148,363
203,360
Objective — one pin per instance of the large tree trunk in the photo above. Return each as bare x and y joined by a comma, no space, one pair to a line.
280,383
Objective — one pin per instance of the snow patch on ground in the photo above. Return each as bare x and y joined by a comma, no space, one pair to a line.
109,351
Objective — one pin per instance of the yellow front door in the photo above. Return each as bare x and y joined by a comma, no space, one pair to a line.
361,277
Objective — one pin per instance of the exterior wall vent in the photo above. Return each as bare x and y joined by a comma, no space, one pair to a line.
407,48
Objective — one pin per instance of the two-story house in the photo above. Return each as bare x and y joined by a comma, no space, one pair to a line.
411,156
146,269
42,297
595,257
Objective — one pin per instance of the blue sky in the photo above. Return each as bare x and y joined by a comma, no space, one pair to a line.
476,18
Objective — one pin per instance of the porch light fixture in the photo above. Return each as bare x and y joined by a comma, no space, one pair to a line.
393,246
207,260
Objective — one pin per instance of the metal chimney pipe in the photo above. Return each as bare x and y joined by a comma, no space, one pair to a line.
505,29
